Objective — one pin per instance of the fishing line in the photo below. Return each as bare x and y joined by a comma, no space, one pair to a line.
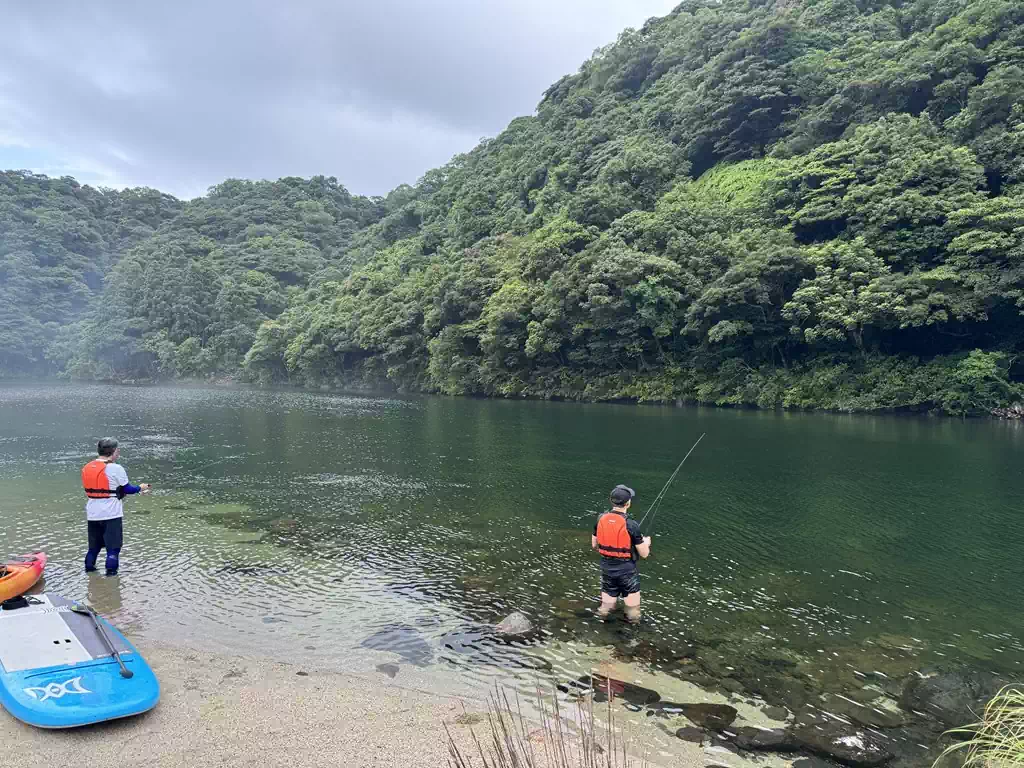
657,501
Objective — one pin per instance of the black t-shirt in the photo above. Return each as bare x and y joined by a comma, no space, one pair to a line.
611,564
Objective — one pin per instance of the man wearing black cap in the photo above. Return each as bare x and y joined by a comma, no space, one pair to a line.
619,542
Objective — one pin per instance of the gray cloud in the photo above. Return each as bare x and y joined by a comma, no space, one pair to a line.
181,95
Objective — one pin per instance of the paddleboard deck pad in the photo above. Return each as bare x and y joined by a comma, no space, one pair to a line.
56,671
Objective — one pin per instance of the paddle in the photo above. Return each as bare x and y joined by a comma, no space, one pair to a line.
86,610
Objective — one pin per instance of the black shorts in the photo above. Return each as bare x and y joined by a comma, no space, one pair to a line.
620,583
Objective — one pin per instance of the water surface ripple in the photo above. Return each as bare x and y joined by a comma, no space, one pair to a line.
357,532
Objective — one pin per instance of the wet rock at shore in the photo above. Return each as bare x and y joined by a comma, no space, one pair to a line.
720,746
693,735
771,739
848,745
710,717
1014,412
666,710
954,697
514,625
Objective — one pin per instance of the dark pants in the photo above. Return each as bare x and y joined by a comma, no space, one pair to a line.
105,534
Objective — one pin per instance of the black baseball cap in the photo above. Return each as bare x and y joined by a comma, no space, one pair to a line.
621,494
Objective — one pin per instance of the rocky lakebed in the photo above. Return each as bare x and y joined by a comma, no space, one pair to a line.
850,707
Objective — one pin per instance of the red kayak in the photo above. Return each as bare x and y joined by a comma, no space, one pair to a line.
18,577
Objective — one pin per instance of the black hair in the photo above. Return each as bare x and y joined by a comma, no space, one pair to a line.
106,446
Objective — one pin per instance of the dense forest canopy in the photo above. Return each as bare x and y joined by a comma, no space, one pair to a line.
806,203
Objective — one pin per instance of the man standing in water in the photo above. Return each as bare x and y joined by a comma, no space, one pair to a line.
106,483
619,541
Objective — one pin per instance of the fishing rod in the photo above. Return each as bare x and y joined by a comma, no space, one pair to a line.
657,501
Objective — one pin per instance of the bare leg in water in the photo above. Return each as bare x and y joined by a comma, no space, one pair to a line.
607,605
632,607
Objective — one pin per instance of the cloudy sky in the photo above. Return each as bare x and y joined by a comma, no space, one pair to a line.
181,95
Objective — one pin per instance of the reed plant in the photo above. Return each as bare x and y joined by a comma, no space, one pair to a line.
557,741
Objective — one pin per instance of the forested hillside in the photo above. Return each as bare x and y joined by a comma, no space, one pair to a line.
187,302
800,203
57,241
135,284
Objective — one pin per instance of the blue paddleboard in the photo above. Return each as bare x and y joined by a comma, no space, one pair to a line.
56,670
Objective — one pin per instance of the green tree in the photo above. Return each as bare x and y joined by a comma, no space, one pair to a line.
845,297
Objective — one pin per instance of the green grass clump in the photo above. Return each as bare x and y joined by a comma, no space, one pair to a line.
998,740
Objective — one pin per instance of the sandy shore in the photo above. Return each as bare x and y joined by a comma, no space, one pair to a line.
223,711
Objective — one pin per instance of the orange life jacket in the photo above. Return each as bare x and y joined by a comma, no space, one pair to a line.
613,539
95,482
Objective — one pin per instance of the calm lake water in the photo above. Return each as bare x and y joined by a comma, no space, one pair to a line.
352,531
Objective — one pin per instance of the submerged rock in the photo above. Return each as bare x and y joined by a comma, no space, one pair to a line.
722,747
619,689
777,689
776,713
731,685
838,741
954,697
404,640
880,712
514,625
666,710
714,717
466,640
772,739
241,569
697,678
866,695
812,762
653,653
943,759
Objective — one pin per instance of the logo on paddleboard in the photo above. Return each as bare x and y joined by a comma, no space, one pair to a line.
58,690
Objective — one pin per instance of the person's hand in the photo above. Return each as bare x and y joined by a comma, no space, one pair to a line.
647,540
145,487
